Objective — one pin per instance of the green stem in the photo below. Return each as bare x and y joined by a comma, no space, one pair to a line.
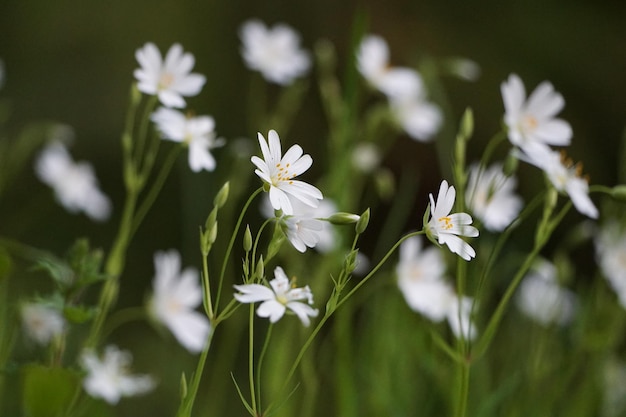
232,243
251,360
187,404
268,335
463,389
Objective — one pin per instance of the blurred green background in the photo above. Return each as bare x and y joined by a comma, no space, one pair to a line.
72,62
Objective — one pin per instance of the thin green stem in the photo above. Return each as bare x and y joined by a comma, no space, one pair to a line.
251,360
207,287
463,389
187,404
232,243
259,365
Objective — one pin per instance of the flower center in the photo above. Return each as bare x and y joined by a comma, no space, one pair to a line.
166,80
445,223
283,173
282,298
530,122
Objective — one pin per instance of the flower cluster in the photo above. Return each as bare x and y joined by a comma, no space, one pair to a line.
420,118
533,126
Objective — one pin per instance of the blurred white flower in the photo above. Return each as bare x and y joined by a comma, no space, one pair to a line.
195,132
533,121
277,299
366,157
564,175
610,243
448,227
490,196
42,323
274,52
302,231
170,79
176,296
464,68
74,184
542,299
279,171
373,64
109,378
421,280
419,118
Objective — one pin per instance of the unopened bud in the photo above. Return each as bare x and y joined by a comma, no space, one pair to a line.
467,124
222,195
342,218
619,192
351,261
247,239
363,221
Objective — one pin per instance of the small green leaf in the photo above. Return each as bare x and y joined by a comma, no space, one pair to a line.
48,392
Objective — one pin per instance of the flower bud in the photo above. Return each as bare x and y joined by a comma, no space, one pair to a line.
619,192
247,239
363,221
342,218
467,124
222,195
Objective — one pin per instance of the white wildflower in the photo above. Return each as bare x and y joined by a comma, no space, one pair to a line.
42,323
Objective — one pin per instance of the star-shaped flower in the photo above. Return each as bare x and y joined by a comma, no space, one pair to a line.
42,323
564,175
74,183
274,52
109,378
196,132
277,299
176,296
279,171
533,121
490,196
448,227
170,79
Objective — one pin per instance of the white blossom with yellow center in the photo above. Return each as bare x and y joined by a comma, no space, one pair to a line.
448,227
279,171
533,121
170,79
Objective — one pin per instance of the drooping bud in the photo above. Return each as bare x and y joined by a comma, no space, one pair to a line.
342,218
363,221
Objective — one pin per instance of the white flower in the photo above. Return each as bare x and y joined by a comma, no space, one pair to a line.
74,184
490,196
564,175
278,299
541,297
176,296
448,227
421,281
366,157
419,118
170,79
302,231
610,245
279,171
373,64
42,323
533,121
109,378
196,132
274,52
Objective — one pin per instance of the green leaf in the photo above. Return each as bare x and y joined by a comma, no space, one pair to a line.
48,392
79,314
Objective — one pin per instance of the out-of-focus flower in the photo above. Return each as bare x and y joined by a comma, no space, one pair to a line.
195,132
490,196
74,184
176,296
448,227
610,243
366,157
419,118
277,299
42,323
274,52
169,79
564,175
464,68
421,280
373,64
109,378
279,171
533,121
541,297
